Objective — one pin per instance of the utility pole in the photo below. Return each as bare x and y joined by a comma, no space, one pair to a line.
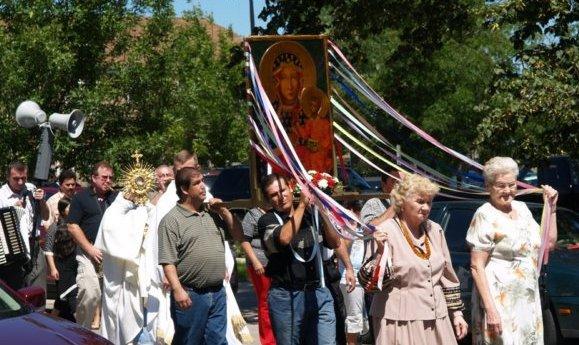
251,18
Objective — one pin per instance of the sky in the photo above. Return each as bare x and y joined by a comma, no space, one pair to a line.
225,12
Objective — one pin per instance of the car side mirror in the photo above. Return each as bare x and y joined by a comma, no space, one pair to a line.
33,295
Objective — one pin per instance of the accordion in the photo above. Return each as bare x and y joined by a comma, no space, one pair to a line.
12,246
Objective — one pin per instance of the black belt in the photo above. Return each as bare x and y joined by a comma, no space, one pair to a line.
310,285
204,289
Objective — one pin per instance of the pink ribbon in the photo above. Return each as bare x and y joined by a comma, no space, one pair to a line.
546,228
381,103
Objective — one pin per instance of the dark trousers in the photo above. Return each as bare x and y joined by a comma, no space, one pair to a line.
340,311
332,276
13,275
37,276
369,337
16,276
67,268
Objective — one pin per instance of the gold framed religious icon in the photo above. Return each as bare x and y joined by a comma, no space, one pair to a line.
294,73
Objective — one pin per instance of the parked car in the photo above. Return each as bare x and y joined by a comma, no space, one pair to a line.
353,181
21,323
561,173
375,183
210,177
559,281
232,183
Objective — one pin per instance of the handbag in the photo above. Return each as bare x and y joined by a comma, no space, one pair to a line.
331,270
64,244
376,272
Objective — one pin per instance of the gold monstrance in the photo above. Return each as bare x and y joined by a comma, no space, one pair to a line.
138,179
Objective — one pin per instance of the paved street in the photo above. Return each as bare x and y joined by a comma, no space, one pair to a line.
248,305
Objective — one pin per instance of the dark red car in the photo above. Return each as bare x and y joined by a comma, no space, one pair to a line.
20,323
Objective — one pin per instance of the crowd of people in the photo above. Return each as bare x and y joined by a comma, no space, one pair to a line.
155,272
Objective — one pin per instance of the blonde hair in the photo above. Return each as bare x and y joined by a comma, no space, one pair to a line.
499,166
411,185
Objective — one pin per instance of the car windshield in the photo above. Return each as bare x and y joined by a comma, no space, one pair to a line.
352,179
232,184
9,307
458,223
208,180
567,227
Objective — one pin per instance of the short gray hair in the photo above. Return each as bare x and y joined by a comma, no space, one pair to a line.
499,166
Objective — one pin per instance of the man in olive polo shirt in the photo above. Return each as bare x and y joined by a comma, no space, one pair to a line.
192,253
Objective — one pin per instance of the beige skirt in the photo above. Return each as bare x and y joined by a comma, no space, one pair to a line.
420,332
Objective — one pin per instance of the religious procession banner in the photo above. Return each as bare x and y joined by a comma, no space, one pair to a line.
294,73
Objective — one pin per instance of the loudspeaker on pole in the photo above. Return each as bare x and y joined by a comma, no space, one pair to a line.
72,123
29,114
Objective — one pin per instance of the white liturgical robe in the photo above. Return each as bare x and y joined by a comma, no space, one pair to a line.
132,278
166,202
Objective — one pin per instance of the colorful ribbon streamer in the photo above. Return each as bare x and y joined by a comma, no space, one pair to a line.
273,144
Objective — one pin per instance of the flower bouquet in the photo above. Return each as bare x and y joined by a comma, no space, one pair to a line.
324,181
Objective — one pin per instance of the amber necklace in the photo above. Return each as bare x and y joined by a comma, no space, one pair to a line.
406,232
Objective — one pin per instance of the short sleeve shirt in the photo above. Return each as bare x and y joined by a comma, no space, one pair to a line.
372,209
86,210
193,242
251,233
283,268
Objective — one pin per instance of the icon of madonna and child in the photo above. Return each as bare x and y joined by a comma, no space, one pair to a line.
288,74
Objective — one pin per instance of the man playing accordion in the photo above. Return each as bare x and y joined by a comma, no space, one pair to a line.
27,201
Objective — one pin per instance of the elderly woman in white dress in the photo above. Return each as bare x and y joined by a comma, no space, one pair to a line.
505,242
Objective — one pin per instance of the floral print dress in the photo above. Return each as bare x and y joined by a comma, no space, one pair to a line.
511,272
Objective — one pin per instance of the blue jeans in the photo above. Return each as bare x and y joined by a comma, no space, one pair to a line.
205,322
302,316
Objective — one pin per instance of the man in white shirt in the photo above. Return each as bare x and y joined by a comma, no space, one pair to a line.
66,187
24,197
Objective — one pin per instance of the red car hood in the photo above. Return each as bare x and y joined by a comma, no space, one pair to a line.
36,328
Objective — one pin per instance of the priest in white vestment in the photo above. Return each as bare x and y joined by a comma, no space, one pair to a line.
133,281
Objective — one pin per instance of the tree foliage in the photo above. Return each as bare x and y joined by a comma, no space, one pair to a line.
485,77
531,111
146,79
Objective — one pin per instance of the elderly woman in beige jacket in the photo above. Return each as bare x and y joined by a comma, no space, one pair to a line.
420,300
